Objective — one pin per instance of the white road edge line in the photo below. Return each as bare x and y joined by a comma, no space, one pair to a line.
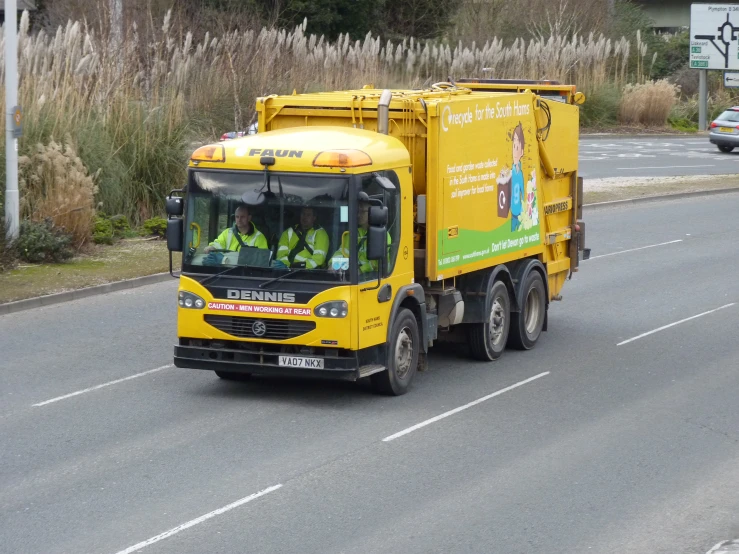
197,520
96,387
456,410
673,324
664,167
635,249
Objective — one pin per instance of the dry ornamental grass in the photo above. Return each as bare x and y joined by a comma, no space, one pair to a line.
54,184
648,103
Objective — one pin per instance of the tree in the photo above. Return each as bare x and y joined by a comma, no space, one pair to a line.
422,19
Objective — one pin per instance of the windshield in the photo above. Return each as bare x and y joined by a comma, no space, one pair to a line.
729,115
288,226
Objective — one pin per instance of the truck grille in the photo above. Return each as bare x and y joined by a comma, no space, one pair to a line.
256,328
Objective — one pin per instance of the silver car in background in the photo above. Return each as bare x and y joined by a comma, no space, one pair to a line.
724,131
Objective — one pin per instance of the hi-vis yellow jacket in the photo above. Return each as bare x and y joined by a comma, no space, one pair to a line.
227,239
365,265
314,247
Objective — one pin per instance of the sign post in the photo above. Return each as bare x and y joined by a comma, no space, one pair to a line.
702,101
714,44
12,211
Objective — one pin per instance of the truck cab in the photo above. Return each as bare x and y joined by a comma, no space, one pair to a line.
328,320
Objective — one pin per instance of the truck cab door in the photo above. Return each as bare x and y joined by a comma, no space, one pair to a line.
379,282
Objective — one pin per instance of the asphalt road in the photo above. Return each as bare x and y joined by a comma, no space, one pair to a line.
621,435
653,157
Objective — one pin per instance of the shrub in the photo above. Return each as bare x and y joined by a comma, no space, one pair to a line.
681,123
121,226
601,106
686,112
102,232
648,103
674,51
54,184
43,242
156,226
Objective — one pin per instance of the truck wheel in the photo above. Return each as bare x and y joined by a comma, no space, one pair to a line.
229,376
403,344
488,339
726,149
527,324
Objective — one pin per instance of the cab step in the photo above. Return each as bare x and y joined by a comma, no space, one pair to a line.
371,369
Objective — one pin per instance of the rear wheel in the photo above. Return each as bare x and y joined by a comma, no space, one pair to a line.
488,339
726,149
229,376
402,358
527,324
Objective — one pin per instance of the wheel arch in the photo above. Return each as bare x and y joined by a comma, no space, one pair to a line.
474,288
411,297
520,272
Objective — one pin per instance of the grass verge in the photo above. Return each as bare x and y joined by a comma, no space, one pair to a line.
102,264
607,190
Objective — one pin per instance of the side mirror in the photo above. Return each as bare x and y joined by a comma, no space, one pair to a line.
174,206
175,234
377,241
378,216
579,98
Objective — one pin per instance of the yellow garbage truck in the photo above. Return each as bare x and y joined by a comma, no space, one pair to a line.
357,228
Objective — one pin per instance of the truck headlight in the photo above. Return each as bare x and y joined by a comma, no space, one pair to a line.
190,300
336,308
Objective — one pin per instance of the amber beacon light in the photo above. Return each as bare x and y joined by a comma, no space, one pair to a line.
342,158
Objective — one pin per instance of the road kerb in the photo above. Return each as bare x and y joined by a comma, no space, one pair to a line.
640,136
660,197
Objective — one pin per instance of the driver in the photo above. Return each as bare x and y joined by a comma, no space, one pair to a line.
304,244
243,233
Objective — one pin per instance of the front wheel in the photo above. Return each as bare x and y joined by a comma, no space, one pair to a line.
527,324
403,345
488,339
725,149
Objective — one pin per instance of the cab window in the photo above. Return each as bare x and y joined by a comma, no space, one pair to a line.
390,198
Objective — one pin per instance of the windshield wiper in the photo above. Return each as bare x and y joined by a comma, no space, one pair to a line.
291,272
224,272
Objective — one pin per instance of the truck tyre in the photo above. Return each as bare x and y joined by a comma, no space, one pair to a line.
488,339
403,346
228,376
527,324
726,149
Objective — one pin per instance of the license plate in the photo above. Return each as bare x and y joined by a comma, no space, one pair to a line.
300,361
726,129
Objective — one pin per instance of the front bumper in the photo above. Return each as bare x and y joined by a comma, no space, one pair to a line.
265,362
722,139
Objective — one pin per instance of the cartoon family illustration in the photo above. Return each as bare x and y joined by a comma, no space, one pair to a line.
523,209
